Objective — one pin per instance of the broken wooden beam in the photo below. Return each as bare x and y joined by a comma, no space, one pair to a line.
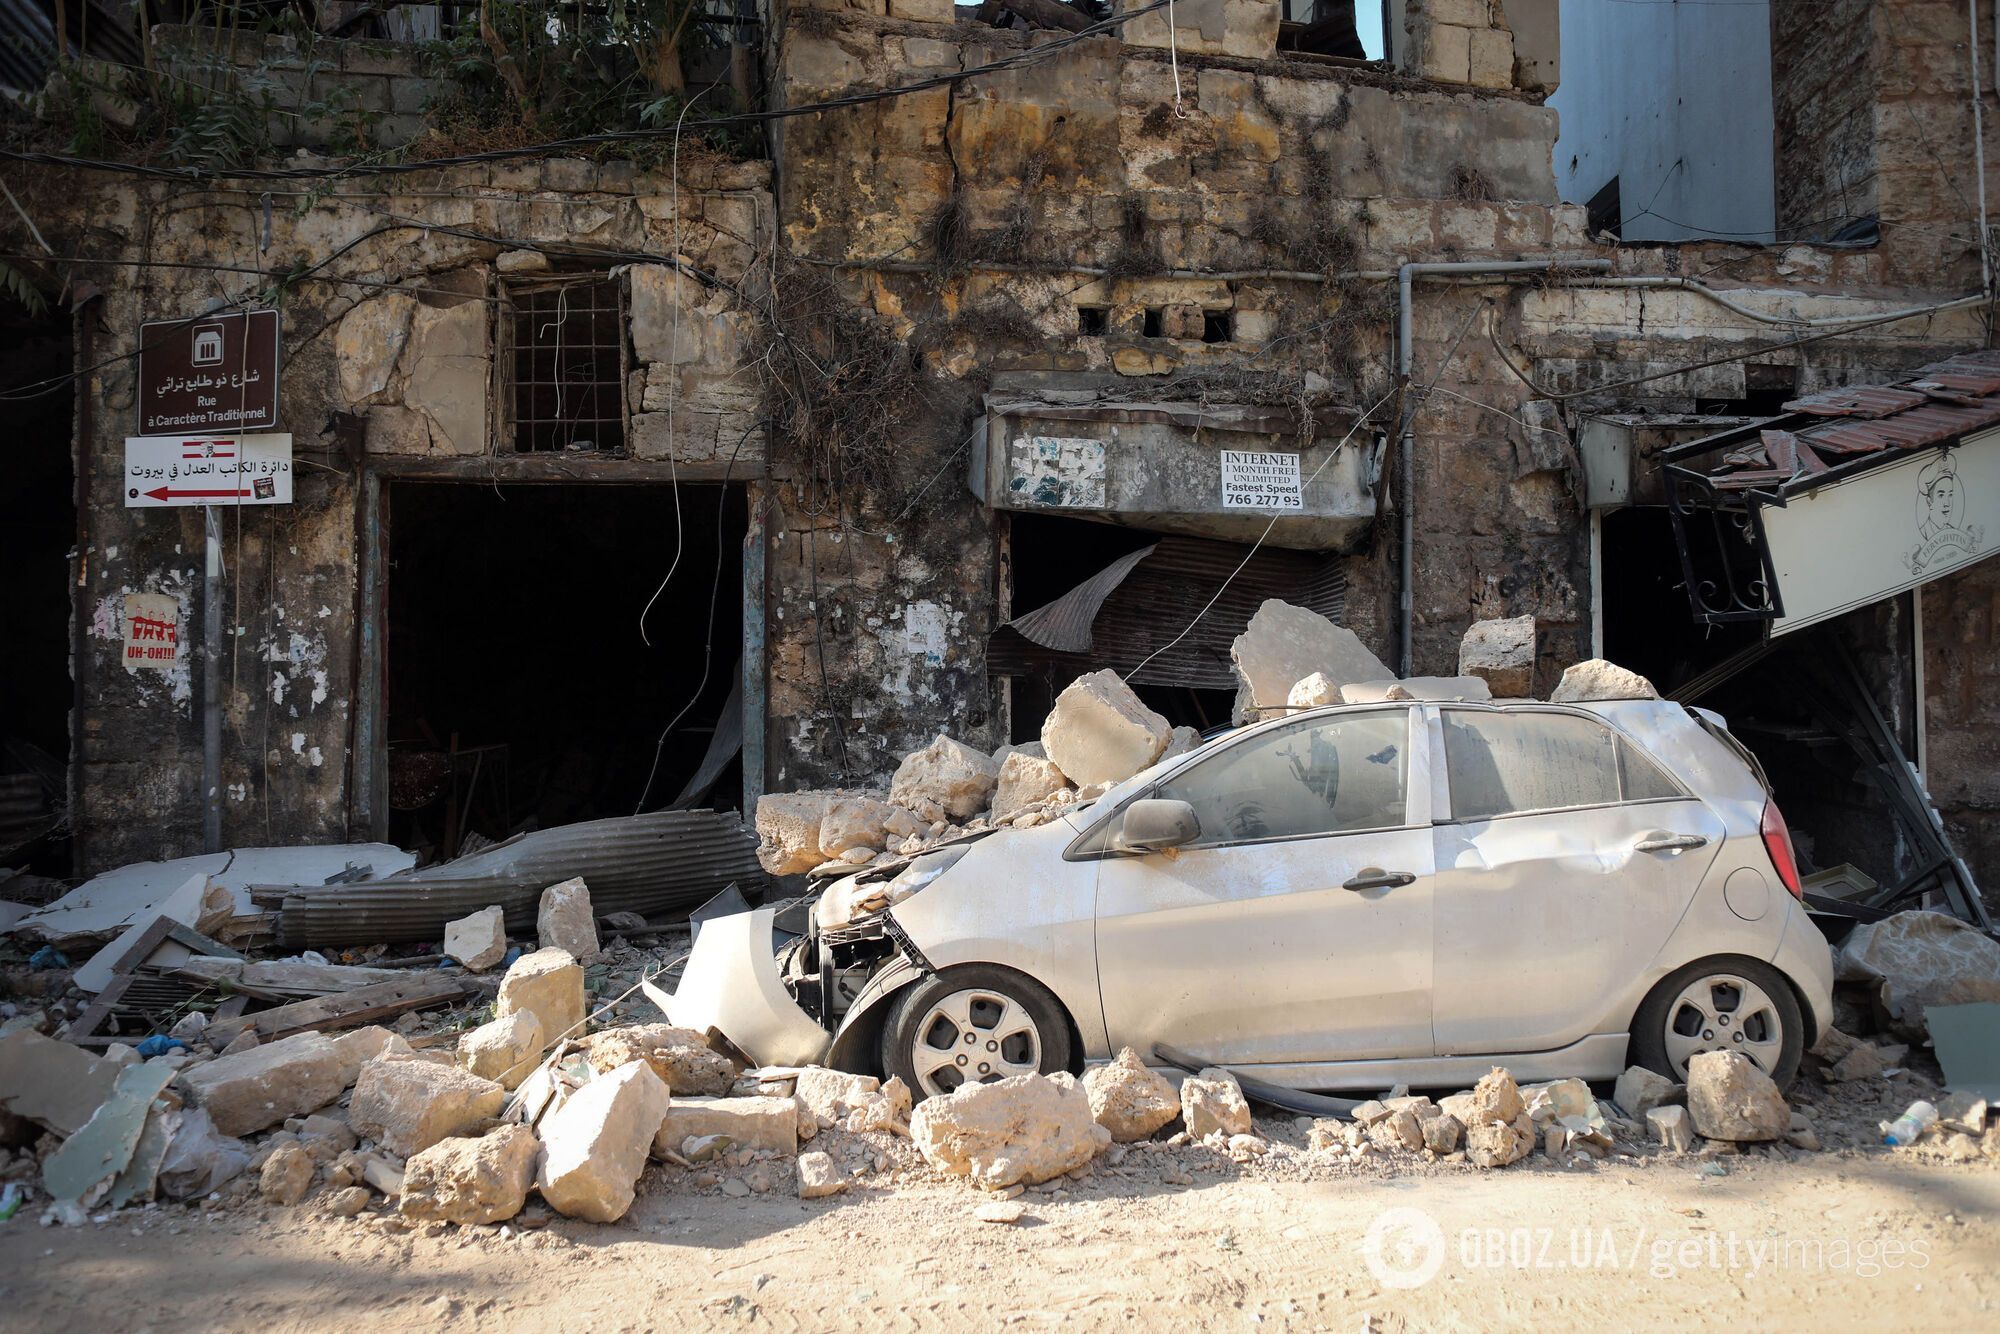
284,977
348,1009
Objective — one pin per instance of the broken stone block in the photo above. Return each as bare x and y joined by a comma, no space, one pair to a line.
858,821
1498,1143
1213,1101
407,1106
1960,1111
883,1110
242,1042
1398,1130
1671,1127
1801,1134
468,1180
1435,689
756,1123
1180,742
1024,780
1099,731
347,1203
1597,679
788,828
1640,1090
564,921
595,1145
818,1176
1315,691
1442,1134
1495,1100
325,1138
1558,1100
1025,1129
1731,1099
1129,1100
952,774
1863,1061
1282,646
829,1095
478,941
373,1043
504,1050
549,983
286,1176
1502,654
263,1086
679,1056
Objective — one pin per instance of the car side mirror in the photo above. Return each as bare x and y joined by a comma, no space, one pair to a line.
1155,824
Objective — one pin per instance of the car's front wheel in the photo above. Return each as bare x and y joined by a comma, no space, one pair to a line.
1727,1003
973,1025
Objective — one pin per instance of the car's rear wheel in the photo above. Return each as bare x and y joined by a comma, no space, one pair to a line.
973,1025
1727,1003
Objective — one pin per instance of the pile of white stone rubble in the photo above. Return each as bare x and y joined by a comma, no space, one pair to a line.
1100,733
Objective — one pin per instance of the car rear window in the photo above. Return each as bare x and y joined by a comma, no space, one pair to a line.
1515,763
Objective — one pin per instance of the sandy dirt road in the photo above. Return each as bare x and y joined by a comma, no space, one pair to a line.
1840,1242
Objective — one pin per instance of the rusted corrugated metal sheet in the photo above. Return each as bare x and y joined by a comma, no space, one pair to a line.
1162,595
643,863
1065,624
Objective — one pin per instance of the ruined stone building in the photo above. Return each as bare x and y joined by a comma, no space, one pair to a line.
620,478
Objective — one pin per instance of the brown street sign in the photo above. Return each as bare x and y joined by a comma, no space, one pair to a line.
209,373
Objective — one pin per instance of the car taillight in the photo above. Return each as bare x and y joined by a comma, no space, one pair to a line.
1778,842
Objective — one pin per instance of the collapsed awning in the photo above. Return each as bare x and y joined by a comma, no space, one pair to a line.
1851,496
1133,609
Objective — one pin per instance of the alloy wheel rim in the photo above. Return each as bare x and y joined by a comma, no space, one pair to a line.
974,1036
1724,1012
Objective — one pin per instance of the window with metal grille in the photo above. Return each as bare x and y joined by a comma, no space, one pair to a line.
565,363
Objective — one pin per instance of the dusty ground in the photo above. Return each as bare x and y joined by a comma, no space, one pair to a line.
1850,1239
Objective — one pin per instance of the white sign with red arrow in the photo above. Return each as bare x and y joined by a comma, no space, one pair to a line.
207,470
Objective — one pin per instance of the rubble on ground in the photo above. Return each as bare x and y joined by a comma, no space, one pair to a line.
563,921
1129,1100
1024,1129
1914,960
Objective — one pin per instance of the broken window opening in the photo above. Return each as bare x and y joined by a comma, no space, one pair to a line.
518,690
1218,326
1606,211
564,362
1093,321
1349,29
1154,325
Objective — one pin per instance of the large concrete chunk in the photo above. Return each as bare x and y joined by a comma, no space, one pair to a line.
829,1095
1024,1129
1316,691
750,1123
594,1146
1100,732
1282,646
1596,679
564,921
478,941
407,1106
1025,780
1640,1090
679,1056
261,1087
1129,1100
549,983
505,1050
1730,1098
358,1048
949,773
857,820
1213,1102
788,830
1498,1143
483,1180
1502,654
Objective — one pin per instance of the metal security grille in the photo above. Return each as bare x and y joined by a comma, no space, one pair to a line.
566,364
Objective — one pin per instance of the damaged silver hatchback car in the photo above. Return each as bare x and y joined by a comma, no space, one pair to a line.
1348,898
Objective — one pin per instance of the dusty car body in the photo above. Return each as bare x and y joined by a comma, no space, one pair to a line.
1348,898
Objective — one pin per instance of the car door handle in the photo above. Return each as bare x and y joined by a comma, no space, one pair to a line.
1374,877
1670,843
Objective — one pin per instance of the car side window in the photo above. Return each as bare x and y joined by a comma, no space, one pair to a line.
1330,776
1513,763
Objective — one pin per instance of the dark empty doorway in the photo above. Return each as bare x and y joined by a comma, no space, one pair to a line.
521,690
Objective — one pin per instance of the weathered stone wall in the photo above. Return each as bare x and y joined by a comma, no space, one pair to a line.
1822,87
396,331
1962,715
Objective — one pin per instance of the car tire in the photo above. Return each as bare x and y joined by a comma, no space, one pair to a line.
1015,1026
1725,1003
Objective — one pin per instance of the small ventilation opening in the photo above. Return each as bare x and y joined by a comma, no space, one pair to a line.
1155,323
1093,321
1218,326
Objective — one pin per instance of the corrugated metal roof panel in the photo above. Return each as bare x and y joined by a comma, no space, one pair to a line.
642,863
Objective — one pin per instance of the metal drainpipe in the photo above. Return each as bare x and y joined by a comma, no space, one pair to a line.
1979,152
1406,279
